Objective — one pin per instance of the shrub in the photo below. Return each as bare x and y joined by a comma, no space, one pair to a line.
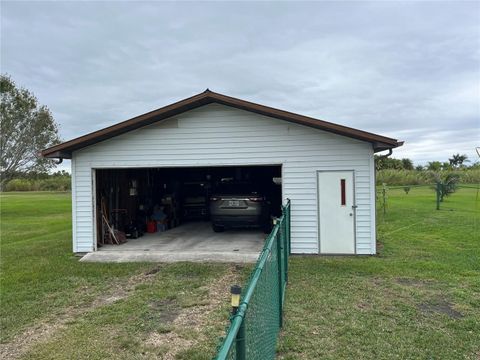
447,185
54,183
19,185
394,177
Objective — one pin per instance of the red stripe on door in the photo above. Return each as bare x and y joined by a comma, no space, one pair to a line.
342,191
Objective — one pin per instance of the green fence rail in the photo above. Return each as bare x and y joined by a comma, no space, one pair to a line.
254,328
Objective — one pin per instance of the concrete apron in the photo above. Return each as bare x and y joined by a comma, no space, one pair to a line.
189,242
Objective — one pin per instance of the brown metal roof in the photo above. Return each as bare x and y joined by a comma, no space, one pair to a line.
64,150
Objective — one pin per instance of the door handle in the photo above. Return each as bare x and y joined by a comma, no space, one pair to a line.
351,214
354,207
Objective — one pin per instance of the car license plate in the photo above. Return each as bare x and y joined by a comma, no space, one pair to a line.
233,203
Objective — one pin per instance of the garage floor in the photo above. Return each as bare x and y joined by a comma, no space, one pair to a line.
194,241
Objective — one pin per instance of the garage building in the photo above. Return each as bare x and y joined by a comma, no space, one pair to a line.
174,158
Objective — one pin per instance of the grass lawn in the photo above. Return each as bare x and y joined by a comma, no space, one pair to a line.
54,307
418,299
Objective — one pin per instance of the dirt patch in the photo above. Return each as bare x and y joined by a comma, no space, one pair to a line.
239,267
44,330
167,309
153,271
364,306
194,318
413,282
441,307
171,340
379,247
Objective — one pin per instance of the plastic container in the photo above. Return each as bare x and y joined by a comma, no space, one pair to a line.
151,226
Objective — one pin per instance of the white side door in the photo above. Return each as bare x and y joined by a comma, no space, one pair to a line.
336,207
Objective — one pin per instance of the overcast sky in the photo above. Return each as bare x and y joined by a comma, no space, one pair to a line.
406,70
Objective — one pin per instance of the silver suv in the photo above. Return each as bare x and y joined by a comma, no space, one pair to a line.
236,205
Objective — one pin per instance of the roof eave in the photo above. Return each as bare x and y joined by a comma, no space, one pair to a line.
377,147
56,154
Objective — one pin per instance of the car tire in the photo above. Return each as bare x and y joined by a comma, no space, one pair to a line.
218,228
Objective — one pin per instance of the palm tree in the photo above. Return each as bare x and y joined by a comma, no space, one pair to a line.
434,165
407,164
457,160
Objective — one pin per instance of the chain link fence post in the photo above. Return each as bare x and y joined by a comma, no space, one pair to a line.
384,196
437,191
280,277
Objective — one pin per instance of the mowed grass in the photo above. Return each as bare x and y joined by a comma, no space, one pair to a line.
54,307
418,299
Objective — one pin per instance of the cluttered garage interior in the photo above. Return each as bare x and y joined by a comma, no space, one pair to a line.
132,204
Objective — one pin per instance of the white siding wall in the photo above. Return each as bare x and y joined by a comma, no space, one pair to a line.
220,135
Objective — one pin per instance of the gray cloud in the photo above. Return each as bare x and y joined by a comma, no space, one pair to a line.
406,70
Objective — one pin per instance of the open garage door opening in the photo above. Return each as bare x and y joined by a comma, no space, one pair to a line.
188,205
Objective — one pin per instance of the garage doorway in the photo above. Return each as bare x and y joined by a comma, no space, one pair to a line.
336,212
168,209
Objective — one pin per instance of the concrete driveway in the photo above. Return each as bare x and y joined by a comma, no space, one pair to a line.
194,241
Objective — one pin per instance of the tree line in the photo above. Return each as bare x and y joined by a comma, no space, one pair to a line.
456,162
57,181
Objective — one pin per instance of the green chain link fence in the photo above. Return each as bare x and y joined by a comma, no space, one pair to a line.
254,328
441,188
